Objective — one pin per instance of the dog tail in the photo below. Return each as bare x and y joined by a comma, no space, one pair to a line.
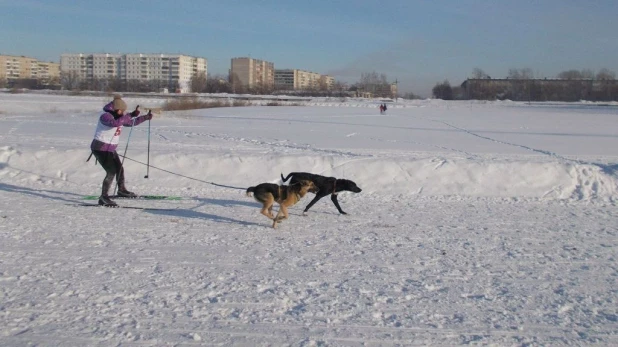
287,178
250,190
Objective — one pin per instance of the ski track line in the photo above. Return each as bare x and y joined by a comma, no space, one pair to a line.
406,173
468,154
369,157
603,167
260,143
544,152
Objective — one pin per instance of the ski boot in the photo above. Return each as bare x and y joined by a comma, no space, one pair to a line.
122,191
104,200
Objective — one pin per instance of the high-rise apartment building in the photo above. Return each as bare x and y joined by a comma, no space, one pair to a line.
251,72
48,71
294,79
170,68
14,68
328,81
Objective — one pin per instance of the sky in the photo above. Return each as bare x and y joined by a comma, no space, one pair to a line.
416,43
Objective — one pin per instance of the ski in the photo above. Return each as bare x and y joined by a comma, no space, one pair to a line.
129,207
139,197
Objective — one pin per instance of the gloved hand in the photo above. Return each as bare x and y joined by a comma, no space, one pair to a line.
149,115
135,113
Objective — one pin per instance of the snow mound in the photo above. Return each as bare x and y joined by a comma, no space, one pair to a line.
429,176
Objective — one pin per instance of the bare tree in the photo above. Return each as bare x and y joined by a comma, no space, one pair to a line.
198,82
218,84
587,74
372,78
262,88
322,86
340,88
570,75
606,74
237,86
115,84
479,74
527,73
443,91
521,74
374,83
52,82
70,80
411,96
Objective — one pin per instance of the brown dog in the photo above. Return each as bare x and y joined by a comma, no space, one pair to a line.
285,196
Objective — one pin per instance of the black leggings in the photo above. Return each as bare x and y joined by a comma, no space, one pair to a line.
110,161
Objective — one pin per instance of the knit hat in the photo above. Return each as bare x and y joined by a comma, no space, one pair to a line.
118,103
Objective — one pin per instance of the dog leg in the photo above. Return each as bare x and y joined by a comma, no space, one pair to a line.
267,210
276,219
265,213
317,197
285,213
333,198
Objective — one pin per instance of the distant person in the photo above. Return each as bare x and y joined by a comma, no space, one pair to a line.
384,108
103,146
381,109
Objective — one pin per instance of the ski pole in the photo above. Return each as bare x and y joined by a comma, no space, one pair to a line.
148,157
125,151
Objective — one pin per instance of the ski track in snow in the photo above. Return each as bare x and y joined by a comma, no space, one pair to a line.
544,152
283,144
404,267
470,155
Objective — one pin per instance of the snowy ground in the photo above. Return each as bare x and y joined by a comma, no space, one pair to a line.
480,223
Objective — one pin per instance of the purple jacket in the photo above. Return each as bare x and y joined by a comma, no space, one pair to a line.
107,134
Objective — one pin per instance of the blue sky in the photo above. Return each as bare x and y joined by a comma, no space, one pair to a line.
419,43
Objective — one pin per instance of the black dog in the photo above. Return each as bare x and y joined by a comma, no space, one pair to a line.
324,186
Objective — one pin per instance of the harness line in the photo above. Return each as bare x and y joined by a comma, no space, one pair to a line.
191,178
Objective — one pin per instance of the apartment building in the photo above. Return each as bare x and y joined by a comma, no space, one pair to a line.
19,67
251,72
171,68
294,79
328,81
48,71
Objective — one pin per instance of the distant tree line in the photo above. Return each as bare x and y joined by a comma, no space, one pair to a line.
521,85
339,89
30,83
374,83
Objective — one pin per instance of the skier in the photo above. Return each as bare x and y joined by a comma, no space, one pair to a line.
103,146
